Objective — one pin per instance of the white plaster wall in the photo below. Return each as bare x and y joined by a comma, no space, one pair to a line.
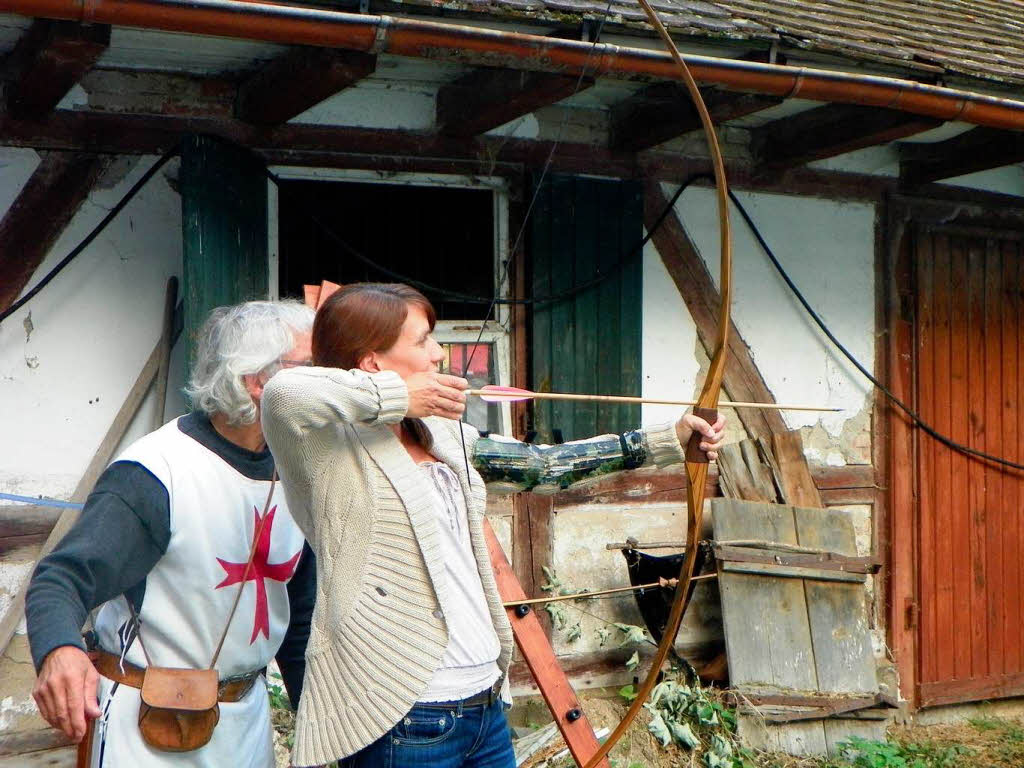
92,330
16,167
400,95
828,249
885,161
410,106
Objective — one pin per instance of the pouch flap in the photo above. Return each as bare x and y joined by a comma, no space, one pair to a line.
189,690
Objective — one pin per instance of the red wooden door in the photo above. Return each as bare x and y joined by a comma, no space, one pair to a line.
969,370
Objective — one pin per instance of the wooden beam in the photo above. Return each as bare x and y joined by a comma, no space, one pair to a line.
23,743
47,61
532,543
487,98
540,657
668,486
834,129
35,220
978,149
663,111
678,253
298,80
413,151
161,93
903,555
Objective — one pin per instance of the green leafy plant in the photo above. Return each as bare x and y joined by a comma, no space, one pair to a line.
628,692
687,716
278,696
864,753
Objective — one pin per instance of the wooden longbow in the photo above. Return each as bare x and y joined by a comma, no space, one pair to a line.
707,404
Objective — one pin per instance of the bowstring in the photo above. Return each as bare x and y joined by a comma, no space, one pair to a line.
503,275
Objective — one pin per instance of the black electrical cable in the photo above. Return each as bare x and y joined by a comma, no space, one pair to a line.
910,412
93,234
552,299
466,298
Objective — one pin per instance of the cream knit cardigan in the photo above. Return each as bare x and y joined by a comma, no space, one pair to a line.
378,632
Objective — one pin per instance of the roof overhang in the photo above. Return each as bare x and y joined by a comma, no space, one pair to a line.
289,24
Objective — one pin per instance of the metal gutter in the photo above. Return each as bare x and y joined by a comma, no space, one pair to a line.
289,24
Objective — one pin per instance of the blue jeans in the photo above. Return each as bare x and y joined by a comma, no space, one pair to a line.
442,735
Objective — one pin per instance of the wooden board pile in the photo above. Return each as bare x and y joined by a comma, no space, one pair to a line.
794,605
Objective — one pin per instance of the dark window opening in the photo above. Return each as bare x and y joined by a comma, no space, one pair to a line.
438,235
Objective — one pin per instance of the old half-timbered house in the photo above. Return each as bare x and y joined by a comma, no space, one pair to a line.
523,148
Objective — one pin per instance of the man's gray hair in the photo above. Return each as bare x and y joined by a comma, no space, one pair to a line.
236,341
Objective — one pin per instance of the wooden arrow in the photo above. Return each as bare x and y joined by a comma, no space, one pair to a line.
495,394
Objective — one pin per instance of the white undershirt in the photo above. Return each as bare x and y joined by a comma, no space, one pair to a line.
470,661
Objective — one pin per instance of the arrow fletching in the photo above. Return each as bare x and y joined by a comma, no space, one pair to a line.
493,393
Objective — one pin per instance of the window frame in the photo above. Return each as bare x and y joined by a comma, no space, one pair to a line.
457,332
497,328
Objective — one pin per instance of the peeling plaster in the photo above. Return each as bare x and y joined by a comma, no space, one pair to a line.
18,712
851,444
12,576
12,710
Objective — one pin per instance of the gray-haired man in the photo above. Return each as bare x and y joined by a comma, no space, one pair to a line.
169,527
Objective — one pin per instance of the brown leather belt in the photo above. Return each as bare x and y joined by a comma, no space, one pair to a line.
109,665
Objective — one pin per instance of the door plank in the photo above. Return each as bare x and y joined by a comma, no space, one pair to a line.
944,509
974,344
926,383
961,546
992,476
1010,303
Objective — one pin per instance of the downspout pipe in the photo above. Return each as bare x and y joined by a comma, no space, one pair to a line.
420,38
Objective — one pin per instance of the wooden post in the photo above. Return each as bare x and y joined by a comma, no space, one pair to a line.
540,657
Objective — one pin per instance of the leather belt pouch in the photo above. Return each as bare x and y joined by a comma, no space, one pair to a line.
179,708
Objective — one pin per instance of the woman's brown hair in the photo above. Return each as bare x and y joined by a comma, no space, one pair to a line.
362,318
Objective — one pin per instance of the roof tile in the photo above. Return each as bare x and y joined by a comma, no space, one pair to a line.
977,38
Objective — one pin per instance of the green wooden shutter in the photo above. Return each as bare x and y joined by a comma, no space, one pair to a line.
224,218
582,228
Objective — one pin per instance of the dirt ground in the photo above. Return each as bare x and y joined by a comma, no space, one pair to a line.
985,742
989,743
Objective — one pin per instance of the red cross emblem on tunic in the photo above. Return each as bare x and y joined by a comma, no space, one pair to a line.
259,572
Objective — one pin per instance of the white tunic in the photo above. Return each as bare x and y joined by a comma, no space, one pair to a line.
214,514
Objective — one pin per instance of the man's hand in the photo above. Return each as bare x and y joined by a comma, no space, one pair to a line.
65,691
436,394
714,435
